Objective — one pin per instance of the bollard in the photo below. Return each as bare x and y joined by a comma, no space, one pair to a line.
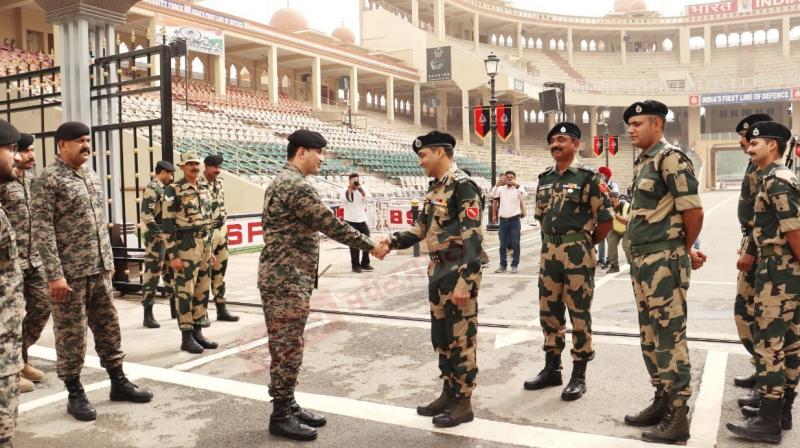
414,216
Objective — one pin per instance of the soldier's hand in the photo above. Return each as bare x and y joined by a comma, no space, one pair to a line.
698,258
745,262
176,264
460,298
58,290
213,259
381,250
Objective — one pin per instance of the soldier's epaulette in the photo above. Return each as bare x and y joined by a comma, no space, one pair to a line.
460,175
783,175
668,150
587,168
547,171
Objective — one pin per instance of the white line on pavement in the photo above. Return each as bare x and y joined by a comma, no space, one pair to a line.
708,407
694,282
714,208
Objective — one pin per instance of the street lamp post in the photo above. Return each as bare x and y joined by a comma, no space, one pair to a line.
492,63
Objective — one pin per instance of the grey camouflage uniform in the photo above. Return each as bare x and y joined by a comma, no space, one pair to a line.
11,310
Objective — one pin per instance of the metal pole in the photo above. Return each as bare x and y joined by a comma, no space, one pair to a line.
493,126
606,145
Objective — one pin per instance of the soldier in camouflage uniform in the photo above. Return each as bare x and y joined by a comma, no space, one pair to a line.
450,225
665,219
293,216
219,239
71,234
776,332
12,304
15,196
574,211
187,229
155,262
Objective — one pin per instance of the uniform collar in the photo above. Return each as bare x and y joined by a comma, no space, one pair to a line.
290,166
448,174
770,167
60,162
571,168
657,147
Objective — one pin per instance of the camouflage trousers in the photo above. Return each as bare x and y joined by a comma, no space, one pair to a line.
89,302
219,247
454,329
156,267
192,283
9,402
744,305
660,283
37,307
776,333
286,308
566,283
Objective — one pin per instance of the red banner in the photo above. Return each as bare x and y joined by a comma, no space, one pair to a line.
613,145
481,117
797,149
597,145
503,112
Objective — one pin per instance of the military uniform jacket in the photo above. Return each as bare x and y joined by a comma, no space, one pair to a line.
152,200
216,192
16,198
777,206
664,185
747,200
70,229
12,304
292,218
571,202
186,213
450,224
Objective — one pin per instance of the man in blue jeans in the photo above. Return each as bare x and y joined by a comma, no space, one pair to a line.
511,210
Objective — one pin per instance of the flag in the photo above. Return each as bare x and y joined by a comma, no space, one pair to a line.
597,145
503,112
481,117
613,145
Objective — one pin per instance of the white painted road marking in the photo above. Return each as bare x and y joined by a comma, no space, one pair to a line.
708,406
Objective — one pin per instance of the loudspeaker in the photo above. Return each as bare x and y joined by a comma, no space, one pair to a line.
305,78
178,48
550,101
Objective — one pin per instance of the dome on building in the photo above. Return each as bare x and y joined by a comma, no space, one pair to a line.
623,6
289,19
344,34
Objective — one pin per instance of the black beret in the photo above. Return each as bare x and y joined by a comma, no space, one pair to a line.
25,142
433,138
565,128
164,165
647,107
9,135
213,160
307,139
750,120
72,130
768,129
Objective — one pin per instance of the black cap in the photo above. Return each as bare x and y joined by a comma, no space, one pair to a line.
565,128
307,139
9,135
213,160
433,138
25,141
647,107
768,129
72,130
164,165
750,120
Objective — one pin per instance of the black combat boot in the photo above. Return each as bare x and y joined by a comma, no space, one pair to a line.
309,418
673,428
765,427
198,336
748,382
438,405
224,315
149,320
577,382
124,390
549,376
188,344
753,399
459,411
786,414
652,414
78,405
283,423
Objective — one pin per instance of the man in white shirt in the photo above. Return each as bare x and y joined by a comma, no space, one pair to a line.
511,210
354,203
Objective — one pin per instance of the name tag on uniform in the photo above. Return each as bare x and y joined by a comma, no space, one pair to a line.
545,187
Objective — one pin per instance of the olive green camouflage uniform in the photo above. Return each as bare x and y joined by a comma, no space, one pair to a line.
71,234
776,333
569,206
450,225
156,265
11,310
664,185
744,307
292,218
187,228
219,238
16,199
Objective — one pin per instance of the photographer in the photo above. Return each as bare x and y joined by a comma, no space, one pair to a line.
354,203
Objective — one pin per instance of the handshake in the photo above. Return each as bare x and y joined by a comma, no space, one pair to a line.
381,249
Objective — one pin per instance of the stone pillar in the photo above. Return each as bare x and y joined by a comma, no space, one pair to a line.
74,49
438,19
220,75
623,47
316,84
57,46
519,39
441,111
465,111
683,42
415,12
592,122
550,118
417,106
570,46
785,28
476,29
272,74
390,99
516,125
693,126
354,97
795,117
708,44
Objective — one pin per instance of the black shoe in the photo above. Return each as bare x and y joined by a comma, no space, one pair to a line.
438,405
309,418
283,423
188,344
652,414
78,405
459,411
612,270
367,268
549,376
224,315
357,269
786,414
753,400
672,429
198,336
765,427
123,390
577,382
748,382
149,320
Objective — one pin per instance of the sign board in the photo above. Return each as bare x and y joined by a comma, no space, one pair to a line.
199,12
519,85
439,64
201,41
760,96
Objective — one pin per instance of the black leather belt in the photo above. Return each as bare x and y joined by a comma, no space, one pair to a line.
513,218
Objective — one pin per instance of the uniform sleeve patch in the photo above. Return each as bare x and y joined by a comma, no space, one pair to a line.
473,213
603,187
